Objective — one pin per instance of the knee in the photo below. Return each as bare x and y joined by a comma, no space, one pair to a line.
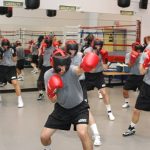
45,139
82,134
136,112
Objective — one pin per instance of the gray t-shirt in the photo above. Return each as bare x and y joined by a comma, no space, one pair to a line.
76,60
99,67
147,75
71,94
34,49
7,58
20,53
135,68
46,58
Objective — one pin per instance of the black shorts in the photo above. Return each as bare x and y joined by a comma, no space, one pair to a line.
133,82
143,99
62,118
35,59
40,81
20,64
42,72
84,89
40,61
94,80
1,74
10,73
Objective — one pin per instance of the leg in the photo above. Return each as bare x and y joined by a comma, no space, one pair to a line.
107,103
126,97
134,121
94,129
100,95
82,130
18,92
46,136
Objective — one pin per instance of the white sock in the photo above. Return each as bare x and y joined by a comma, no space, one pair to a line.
47,147
94,129
126,100
19,97
41,92
108,107
132,124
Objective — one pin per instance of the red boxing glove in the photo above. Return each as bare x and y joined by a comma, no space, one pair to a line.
104,54
89,61
147,60
54,83
133,57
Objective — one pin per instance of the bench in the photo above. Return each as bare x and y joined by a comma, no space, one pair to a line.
112,74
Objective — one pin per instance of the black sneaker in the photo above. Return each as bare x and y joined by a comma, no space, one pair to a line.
41,96
130,131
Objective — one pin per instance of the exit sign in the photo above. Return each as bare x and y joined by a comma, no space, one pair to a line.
129,13
67,8
13,3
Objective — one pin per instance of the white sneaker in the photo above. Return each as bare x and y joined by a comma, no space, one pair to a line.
125,105
32,70
35,72
20,103
97,140
100,95
20,78
111,116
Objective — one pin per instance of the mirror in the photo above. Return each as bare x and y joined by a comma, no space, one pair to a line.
26,25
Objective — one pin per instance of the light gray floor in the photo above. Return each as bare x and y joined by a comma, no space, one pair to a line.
20,127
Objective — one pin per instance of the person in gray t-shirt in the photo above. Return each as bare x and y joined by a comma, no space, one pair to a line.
143,99
20,60
9,73
63,87
45,66
96,77
72,47
134,80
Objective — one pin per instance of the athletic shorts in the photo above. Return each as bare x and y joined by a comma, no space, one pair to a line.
143,99
10,73
40,61
20,64
40,81
35,59
133,82
94,80
62,118
84,89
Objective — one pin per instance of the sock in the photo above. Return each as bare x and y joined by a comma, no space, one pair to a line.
47,147
19,97
94,129
126,100
41,92
132,124
108,107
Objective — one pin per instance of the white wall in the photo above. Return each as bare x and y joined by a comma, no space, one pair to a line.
37,19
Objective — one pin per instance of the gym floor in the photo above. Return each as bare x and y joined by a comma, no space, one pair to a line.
20,127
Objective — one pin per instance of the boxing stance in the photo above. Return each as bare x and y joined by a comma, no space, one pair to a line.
143,99
96,78
8,71
134,80
76,58
64,89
